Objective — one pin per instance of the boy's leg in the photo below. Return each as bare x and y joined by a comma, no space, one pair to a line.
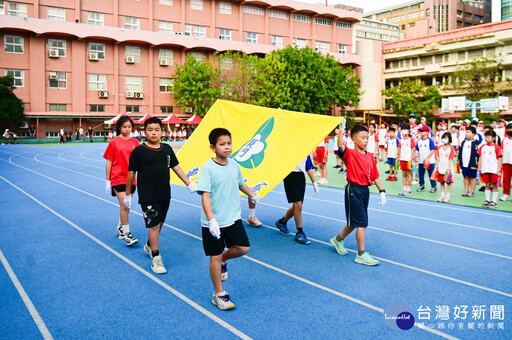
472,183
362,256
252,219
297,215
154,239
466,184
233,252
360,236
421,175
216,272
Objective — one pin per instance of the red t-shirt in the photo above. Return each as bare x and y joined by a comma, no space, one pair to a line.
119,151
361,168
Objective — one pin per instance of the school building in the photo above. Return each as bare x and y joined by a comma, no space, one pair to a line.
77,63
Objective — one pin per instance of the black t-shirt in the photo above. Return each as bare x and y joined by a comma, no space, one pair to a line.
152,167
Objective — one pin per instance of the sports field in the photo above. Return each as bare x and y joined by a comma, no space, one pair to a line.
65,274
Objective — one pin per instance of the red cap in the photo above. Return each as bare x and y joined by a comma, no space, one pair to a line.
424,129
502,120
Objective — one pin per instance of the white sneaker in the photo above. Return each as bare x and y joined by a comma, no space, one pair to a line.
223,301
318,174
253,220
120,232
147,249
505,198
325,181
158,265
440,199
414,182
129,240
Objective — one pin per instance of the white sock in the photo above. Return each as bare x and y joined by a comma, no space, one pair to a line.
119,223
252,211
126,228
448,195
488,195
442,193
495,196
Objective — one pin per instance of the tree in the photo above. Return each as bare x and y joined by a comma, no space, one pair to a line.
412,96
479,78
195,85
238,74
304,80
11,107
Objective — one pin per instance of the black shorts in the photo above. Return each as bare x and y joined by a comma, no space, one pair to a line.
121,188
234,235
295,186
356,205
155,213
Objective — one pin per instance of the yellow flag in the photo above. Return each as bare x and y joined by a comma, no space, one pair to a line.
267,143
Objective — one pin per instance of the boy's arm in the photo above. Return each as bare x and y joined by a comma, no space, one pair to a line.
341,146
479,165
129,182
246,190
378,184
181,174
207,205
313,180
500,161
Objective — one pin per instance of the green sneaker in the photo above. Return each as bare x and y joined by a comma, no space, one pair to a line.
339,246
366,259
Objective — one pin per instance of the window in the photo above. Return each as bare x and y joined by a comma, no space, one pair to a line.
165,2
19,78
97,81
324,22
414,62
301,17
475,54
459,14
478,18
196,30
2,7
132,83
96,108
225,34
341,24
132,108
467,15
132,23
132,51
166,54
56,13
57,44
165,26
426,60
166,84
300,43
277,41
393,19
413,15
225,7
438,58
94,18
198,55
342,48
278,14
166,109
13,44
321,46
196,4
97,48
58,80
16,9
489,52
226,64
51,134
252,38
253,10
58,107
462,56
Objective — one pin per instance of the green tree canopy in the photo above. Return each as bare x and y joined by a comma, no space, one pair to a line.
412,96
238,75
11,107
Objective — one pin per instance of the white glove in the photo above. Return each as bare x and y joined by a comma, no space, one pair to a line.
108,187
256,198
343,124
214,228
383,199
127,201
192,187
316,188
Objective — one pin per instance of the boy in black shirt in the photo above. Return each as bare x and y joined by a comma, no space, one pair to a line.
152,161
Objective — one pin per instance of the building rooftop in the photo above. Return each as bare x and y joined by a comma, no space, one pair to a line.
390,8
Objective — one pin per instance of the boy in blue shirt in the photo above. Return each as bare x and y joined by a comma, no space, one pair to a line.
220,181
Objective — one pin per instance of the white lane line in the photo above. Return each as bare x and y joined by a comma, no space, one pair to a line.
179,295
91,159
59,156
28,303
197,306
196,206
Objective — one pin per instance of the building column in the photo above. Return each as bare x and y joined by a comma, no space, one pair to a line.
116,12
151,79
266,29
38,75
212,21
78,76
117,86
241,22
78,10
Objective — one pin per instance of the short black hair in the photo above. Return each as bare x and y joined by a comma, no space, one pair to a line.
488,127
447,135
356,129
120,123
216,133
406,126
490,133
472,129
392,129
509,126
152,120
371,124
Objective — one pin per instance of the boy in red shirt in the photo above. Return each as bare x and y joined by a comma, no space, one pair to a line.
361,173
489,165
506,147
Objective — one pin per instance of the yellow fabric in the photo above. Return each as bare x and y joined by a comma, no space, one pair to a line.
267,143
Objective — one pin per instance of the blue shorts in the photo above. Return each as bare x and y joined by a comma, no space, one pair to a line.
467,172
335,151
356,205
391,161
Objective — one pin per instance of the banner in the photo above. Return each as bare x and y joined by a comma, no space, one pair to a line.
267,143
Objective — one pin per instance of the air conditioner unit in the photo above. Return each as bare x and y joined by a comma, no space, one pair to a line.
103,94
189,109
130,59
53,53
177,33
139,95
130,94
164,62
53,75
24,125
93,56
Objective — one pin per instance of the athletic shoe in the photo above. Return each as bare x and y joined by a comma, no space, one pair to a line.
440,199
505,198
120,232
407,193
394,179
366,259
282,227
433,190
386,172
339,245
465,193
390,178
158,265
414,181
129,240
223,301
471,194
492,204
224,271
336,166
342,171
421,188
325,181
482,188
402,193
147,249
486,204
253,220
301,238
446,199
318,174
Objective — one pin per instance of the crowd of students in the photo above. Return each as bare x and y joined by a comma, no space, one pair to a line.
140,135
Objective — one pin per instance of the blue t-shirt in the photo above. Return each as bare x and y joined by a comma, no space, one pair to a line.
223,183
